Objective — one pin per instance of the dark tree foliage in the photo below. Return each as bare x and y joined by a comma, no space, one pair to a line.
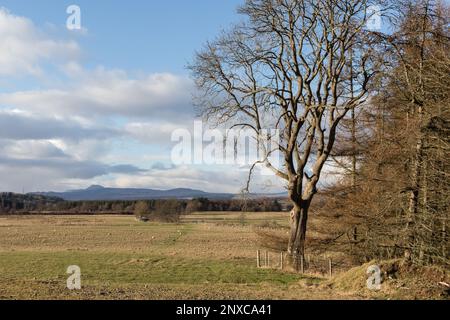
14,203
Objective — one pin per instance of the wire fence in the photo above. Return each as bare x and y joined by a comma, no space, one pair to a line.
307,264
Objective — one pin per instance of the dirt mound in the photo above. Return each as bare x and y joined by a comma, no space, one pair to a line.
398,281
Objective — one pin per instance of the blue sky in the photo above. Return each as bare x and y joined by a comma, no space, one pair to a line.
149,36
98,106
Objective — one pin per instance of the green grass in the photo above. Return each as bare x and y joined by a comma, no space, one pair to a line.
121,258
121,268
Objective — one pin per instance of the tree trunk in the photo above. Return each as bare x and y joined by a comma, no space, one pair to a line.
415,192
353,129
413,203
297,236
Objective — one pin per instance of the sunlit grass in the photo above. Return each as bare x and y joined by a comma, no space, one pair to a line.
99,267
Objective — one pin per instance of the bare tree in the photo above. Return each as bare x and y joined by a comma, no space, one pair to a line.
286,68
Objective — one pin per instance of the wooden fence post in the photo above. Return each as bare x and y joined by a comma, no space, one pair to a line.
281,260
258,258
330,267
267,259
444,239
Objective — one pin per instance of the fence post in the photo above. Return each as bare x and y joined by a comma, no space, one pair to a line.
258,258
444,238
354,239
330,267
267,259
281,260
302,264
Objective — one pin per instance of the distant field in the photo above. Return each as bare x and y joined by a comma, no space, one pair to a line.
207,256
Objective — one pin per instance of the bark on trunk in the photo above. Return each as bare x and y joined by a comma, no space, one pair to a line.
414,200
299,219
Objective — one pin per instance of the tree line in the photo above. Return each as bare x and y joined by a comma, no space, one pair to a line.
16,203
394,151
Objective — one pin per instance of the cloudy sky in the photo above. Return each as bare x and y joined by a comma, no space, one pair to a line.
98,105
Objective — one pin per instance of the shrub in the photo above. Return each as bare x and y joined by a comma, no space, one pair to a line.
141,209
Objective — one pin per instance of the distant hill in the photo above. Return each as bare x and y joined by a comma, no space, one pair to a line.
99,193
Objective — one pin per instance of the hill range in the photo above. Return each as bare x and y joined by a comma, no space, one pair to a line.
99,193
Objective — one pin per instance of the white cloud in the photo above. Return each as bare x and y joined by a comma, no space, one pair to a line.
40,165
91,124
157,132
107,93
24,47
26,149
19,125
220,179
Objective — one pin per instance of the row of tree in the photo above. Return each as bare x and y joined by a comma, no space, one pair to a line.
16,203
395,151
11,202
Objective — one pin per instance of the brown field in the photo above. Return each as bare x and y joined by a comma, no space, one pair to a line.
206,256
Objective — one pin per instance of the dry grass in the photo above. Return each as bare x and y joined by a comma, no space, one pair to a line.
122,258
399,281
207,256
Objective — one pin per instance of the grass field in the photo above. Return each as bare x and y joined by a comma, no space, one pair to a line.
207,256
